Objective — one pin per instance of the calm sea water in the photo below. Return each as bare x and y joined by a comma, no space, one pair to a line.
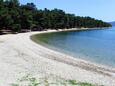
94,45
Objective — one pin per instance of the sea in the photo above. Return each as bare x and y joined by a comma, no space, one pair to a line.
96,46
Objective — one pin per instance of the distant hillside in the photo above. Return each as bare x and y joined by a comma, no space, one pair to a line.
22,18
112,23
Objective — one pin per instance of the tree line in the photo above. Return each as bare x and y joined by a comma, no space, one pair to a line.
16,17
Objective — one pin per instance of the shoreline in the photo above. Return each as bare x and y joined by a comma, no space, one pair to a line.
108,68
57,50
26,56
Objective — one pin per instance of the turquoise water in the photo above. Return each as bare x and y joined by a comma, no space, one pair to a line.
94,45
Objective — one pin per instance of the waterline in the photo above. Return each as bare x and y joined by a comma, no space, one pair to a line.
96,45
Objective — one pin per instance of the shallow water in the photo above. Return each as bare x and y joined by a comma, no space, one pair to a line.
93,45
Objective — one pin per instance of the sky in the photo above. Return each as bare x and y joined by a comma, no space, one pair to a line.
99,9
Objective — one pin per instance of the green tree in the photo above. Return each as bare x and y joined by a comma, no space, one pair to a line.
16,17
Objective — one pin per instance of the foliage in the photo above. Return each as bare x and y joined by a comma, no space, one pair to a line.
34,81
16,17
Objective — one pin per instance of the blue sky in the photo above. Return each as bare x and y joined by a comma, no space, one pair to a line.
99,9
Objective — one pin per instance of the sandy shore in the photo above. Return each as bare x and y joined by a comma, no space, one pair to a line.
20,56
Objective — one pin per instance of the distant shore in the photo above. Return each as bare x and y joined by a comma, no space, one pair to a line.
20,55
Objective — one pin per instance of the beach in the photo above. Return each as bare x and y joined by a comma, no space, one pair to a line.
19,56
